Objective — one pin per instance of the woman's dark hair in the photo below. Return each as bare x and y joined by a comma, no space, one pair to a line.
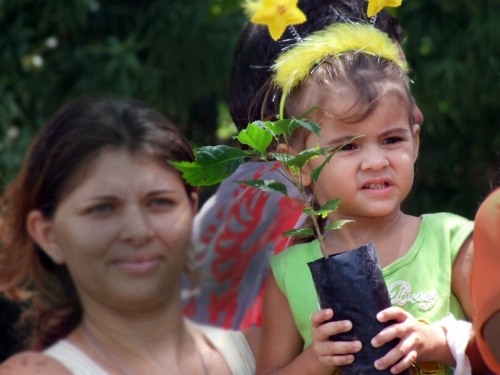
255,52
63,149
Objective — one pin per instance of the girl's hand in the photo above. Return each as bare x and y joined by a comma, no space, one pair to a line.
418,341
331,354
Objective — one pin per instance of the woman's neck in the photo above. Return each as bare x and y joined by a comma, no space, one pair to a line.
151,338
392,235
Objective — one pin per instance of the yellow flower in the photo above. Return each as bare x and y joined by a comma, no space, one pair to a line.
294,65
277,15
375,6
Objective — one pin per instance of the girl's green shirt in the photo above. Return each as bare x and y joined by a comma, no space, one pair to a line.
419,282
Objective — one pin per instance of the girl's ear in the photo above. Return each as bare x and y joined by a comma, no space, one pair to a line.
41,230
305,172
416,138
195,199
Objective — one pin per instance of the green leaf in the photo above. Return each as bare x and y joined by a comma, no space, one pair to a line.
325,209
212,165
338,224
282,158
302,157
270,126
266,185
299,232
309,125
287,126
256,137
315,173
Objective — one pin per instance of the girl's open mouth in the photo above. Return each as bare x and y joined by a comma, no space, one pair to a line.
383,185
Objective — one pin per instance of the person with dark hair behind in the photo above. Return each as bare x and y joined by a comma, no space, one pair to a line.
255,52
95,233
239,228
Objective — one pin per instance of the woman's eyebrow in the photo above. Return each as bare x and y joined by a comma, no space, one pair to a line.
160,191
103,197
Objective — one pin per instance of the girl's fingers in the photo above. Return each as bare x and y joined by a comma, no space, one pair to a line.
405,363
392,313
330,348
388,334
402,350
321,316
326,330
337,360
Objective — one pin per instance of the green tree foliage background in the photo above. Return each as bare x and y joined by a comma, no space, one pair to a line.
172,54
176,56
453,47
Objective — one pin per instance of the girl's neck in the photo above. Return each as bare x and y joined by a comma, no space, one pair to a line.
392,235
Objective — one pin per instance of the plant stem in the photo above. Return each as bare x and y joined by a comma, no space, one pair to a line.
278,170
318,232
314,217
282,106
301,188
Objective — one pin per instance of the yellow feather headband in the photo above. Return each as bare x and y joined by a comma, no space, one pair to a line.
294,65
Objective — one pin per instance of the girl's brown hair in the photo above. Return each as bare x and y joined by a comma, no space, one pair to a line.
368,77
54,164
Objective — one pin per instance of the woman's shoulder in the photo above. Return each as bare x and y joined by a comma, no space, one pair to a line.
28,363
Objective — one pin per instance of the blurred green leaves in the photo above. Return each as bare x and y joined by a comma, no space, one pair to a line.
176,55
173,54
451,47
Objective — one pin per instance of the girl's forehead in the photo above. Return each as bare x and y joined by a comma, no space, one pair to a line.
347,105
341,102
343,116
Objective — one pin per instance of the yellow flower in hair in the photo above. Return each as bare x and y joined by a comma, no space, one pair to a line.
295,64
375,6
278,15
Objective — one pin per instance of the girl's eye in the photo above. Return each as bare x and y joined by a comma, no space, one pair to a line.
347,147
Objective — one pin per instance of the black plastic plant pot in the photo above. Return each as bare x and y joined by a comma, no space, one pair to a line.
352,285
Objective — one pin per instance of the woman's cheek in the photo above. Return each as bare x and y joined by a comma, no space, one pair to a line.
96,236
179,227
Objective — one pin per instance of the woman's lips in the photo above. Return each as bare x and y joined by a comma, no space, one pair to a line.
139,264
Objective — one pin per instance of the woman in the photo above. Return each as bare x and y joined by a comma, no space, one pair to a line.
95,234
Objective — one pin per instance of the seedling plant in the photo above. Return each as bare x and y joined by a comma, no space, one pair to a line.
213,164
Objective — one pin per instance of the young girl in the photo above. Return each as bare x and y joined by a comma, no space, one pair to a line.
95,233
238,228
357,77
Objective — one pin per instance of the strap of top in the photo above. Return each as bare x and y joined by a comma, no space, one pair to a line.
233,347
74,359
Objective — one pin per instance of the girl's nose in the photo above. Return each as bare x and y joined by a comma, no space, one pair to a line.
374,159
136,228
